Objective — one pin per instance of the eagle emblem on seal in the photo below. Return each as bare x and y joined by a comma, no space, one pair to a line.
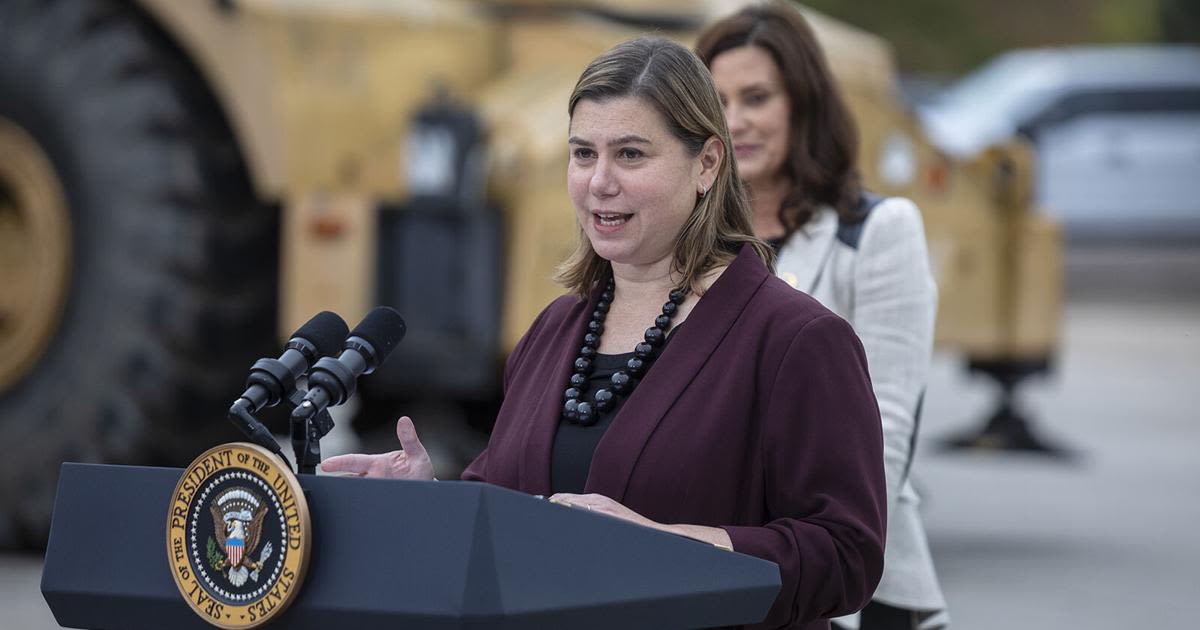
238,523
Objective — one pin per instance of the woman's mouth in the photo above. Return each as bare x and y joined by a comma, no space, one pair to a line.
610,219
744,150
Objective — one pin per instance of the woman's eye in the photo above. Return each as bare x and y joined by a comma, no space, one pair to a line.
582,153
756,98
629,154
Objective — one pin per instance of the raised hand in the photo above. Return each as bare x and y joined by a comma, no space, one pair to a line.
410,462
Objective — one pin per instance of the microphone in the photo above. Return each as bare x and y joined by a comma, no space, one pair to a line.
271,380
332,381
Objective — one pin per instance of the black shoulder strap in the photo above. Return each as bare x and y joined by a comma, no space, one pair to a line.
912,440
851,233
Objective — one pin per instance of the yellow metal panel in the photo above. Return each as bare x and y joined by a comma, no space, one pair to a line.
352,87
528,175
328,257
1038,296
319,93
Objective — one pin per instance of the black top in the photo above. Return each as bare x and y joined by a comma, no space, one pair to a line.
574,444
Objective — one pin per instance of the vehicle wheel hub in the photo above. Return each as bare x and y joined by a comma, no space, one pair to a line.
35,252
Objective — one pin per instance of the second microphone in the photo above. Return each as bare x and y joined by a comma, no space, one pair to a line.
331,381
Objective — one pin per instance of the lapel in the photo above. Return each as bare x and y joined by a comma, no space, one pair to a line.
619,449
534,460
803,257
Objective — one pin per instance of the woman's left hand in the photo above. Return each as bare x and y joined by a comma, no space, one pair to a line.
603,505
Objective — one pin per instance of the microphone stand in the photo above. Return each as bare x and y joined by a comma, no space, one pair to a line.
306,432
254,430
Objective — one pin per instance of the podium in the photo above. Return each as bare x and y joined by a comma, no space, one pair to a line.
404,554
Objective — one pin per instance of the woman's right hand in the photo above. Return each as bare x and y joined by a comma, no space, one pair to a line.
410,462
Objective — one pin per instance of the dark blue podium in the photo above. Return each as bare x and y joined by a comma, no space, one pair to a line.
404,554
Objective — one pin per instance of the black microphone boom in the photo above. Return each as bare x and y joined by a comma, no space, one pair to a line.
332,381
271,380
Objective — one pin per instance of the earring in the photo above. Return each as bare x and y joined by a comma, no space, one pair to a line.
703,191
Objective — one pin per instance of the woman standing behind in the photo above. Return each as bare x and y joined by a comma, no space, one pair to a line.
862,256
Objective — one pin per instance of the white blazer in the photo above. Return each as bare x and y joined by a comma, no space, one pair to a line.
876,276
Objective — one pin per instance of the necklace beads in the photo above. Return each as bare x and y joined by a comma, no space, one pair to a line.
622,382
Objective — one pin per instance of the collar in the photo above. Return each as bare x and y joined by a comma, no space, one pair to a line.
805,253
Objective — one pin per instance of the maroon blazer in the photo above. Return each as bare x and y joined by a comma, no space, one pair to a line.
759,417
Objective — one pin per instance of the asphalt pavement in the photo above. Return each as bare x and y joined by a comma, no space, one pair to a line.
1104,539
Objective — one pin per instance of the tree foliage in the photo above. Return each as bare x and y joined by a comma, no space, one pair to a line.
951,37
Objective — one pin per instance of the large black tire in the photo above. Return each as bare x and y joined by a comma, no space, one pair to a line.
174,263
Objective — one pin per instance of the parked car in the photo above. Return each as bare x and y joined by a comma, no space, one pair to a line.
1117,131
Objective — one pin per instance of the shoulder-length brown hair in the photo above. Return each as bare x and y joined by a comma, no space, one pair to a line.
670,78
823,147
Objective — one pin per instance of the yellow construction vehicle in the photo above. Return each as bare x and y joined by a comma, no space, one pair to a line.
182,183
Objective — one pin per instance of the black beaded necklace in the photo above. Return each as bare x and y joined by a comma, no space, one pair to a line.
623,381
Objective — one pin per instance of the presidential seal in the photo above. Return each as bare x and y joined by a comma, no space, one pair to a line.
238,535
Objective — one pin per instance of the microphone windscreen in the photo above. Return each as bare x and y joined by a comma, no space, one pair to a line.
326,331
383,328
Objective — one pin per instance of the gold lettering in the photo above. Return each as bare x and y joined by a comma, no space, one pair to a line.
178,516
290,510
273,598
198,596
286,582
214,609
177,548
285,495
294,536
195,476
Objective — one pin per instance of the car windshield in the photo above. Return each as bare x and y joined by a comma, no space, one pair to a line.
999,89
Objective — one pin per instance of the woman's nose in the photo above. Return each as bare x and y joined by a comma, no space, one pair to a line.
735,119
604,180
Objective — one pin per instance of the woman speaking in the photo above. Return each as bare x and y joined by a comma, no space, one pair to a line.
679,384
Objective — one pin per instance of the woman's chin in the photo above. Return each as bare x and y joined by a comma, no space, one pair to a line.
752,175
610,251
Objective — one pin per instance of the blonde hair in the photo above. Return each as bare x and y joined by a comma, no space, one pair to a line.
670,78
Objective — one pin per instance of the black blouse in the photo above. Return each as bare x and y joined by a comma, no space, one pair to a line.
574,444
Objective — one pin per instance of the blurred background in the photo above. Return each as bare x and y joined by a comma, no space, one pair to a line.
182,184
